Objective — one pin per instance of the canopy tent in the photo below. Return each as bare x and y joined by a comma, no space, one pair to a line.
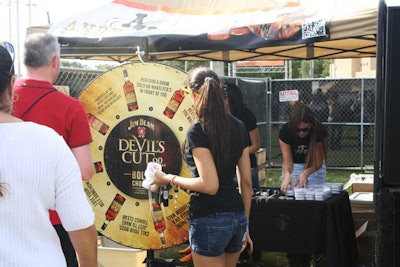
221,30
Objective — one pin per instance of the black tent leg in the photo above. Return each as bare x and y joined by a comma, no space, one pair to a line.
149,257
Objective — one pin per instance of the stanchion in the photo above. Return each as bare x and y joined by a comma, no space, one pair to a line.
149,257
155,262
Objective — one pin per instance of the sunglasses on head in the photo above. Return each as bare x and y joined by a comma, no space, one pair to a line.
304,130
10,49
187,91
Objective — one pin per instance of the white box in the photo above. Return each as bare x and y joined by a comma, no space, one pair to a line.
362,201
111,254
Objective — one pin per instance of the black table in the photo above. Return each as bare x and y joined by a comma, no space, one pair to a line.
303,226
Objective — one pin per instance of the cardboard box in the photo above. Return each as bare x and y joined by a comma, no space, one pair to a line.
261,156
362,187
365,223
360,183
262,176
111,254
111,257
362,201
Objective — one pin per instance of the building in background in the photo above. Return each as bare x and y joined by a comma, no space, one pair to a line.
353,68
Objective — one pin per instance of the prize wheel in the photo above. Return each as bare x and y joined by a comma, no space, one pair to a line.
138,114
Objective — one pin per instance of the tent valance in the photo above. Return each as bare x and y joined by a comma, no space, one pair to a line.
222,30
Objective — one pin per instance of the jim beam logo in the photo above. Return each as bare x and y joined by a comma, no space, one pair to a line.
132,144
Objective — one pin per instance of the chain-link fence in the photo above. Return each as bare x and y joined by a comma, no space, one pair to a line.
76,79
346,107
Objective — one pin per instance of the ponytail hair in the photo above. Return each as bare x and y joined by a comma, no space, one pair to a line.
210,109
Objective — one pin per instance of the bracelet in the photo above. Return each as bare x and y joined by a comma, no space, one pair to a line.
171,182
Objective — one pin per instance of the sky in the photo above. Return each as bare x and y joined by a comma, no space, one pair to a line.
63,9
17,15
23,13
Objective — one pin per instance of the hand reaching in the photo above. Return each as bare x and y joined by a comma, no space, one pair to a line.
287,182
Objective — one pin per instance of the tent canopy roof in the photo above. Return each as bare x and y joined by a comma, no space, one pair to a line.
221,30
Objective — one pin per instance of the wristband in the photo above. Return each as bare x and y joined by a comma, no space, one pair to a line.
171,182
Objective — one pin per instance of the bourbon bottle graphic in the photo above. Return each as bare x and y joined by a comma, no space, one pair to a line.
113,210
97,124
174,103
98,166
129,91
158,220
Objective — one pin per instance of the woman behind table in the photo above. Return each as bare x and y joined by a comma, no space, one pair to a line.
303,142
214,146
38,172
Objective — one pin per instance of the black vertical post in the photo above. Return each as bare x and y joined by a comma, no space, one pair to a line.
150,256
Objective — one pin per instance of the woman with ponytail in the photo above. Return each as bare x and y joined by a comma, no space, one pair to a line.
214,146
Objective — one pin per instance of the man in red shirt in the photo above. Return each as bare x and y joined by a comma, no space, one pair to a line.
37,100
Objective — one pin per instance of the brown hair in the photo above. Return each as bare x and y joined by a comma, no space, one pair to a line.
6,73
210,109
1,189
303,114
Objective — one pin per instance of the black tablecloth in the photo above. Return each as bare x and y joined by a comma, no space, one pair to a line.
303,226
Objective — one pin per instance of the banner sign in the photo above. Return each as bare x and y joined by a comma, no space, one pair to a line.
170,28
221,30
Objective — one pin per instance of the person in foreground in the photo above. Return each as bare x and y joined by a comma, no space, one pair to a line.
303,142
38,172
38,101
214,146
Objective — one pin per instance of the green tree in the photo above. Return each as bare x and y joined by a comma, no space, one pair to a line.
320,68
305,69
185,65
296,69
73,64
326,67
105,66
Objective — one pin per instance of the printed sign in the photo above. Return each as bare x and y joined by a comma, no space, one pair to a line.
288,95
138,114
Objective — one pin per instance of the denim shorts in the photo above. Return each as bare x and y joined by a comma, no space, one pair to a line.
215,234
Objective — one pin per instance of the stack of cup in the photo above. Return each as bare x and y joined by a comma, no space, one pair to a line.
300,193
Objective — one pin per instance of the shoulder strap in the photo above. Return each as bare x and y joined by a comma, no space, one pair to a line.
36,101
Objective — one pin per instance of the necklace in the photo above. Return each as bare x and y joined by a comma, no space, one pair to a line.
24,85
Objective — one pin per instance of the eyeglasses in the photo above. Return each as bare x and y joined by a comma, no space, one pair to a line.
304,130
10,49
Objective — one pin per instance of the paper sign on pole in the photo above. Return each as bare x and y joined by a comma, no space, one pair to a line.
288,95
